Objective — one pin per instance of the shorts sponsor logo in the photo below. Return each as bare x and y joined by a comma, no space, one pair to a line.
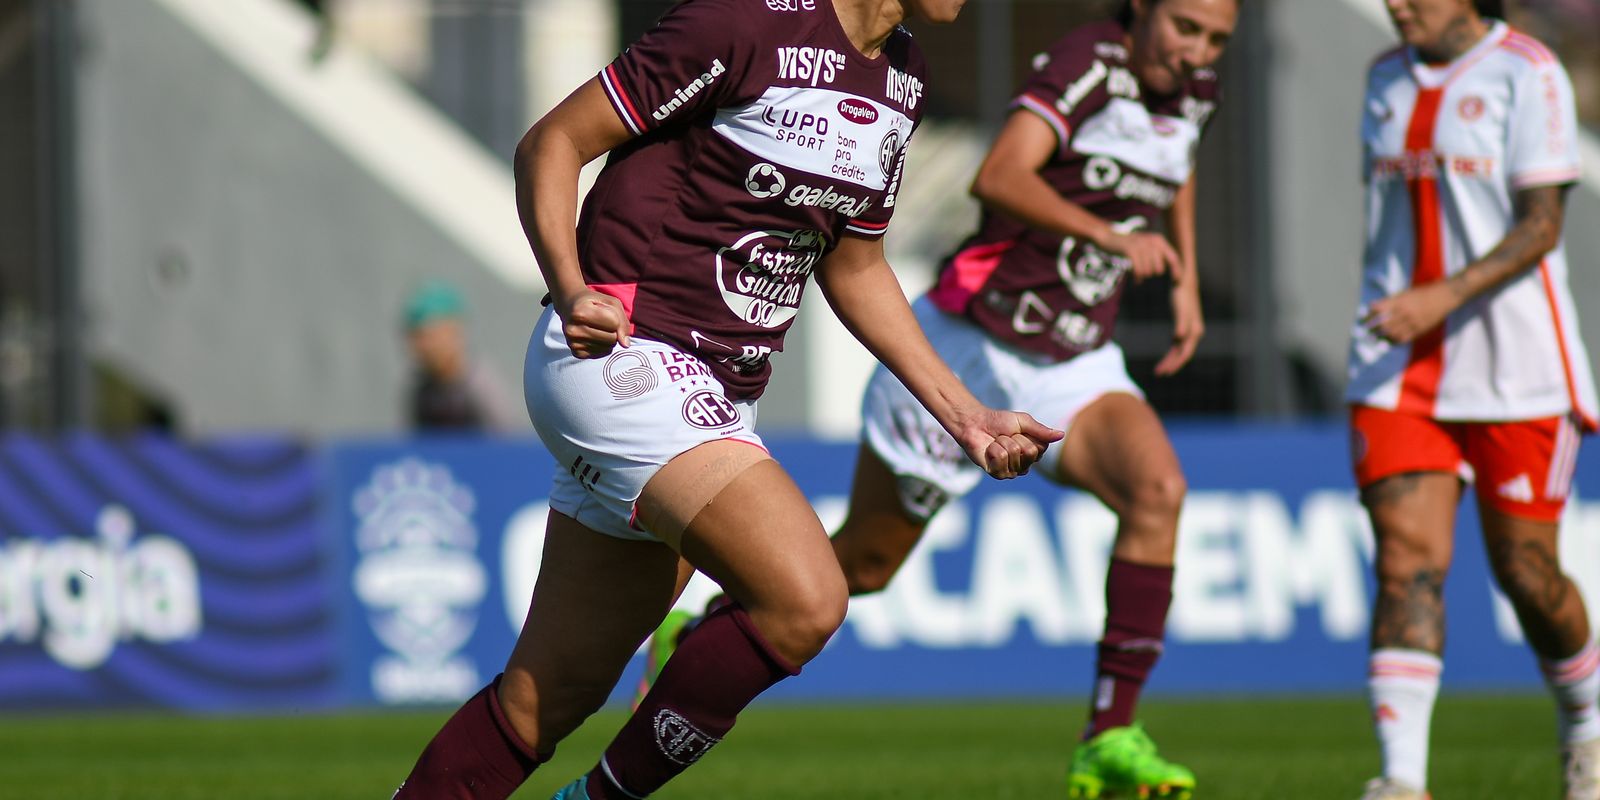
709,411
858,111
889,152
679,740
1470,108
764,181
685,94
812,65
762,276
628,375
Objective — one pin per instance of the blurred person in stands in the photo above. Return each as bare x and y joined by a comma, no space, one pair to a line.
751,144
1466,364
450,391
1100,145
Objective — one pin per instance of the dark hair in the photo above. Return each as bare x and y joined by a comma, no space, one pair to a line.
1490,8
1125,12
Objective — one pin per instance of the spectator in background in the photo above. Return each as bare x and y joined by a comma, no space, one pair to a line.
449,390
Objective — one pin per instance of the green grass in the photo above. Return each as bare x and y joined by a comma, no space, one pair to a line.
1242,749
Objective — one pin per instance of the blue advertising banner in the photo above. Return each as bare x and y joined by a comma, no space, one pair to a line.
138,572
441,543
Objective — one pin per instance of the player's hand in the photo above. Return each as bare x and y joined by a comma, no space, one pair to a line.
1403,317
1148,254
1188,325
1005,443
593,323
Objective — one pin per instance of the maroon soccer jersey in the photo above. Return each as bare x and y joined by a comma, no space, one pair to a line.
1121,154
763,137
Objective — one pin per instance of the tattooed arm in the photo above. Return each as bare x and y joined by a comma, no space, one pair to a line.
1404,316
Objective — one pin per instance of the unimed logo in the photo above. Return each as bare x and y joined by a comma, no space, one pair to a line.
709,410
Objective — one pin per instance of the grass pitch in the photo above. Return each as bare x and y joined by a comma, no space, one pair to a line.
1242,749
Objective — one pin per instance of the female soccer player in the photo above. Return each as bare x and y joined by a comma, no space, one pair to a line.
751,143
1101,143
1465,363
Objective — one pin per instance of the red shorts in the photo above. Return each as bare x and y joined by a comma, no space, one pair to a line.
1522,468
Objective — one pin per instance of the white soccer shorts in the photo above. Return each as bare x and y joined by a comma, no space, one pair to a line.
930,467
612,422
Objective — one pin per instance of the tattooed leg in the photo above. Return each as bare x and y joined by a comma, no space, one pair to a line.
1413,516
1523,554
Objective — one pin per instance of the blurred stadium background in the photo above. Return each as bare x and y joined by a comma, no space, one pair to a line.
212,213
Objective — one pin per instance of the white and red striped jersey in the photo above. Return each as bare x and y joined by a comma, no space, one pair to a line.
1446,148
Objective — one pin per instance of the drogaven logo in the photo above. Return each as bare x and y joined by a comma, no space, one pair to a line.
858,111
420,578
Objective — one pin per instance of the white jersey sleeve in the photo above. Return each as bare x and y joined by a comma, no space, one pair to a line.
1542,146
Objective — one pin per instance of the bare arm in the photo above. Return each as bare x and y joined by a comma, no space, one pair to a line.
579,130
1009,182
1188,321
867,298
1404,316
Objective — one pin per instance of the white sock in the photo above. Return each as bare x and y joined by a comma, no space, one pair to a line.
1403,685
1575,682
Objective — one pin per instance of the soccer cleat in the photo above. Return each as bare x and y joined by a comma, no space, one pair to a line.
574,791
662,643
1122,763
1580,770
1391,789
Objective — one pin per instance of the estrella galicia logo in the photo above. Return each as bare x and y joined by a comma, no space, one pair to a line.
628,375
708,410
889,152
420,578
679,740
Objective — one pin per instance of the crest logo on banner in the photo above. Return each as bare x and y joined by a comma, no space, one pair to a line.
420,579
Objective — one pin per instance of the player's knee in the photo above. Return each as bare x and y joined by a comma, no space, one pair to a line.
810,624
1159,497
1403,555
867,572
1527,581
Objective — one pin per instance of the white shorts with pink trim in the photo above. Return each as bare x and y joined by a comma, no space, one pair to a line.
930,467
612,422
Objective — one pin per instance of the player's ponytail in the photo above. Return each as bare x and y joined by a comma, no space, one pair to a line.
1490,8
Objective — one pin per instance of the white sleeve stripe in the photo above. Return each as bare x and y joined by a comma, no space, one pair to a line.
617,103
868,231
1047,113
1546,177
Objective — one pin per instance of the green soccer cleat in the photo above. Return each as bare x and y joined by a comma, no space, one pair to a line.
1122,763
660,648
574,791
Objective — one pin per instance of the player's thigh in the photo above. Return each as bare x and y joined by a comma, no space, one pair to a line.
756,535
879,531
1409,470
1117,449
596,599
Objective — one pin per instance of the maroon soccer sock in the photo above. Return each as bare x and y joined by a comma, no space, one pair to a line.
477,755
717,670
1137,597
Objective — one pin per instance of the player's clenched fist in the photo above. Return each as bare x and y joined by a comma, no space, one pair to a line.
1006,443
593,323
